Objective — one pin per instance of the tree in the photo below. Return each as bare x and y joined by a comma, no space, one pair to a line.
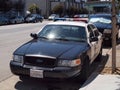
58,9
34,9
118,4
72,11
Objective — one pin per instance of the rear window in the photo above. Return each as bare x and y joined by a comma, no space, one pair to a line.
100,19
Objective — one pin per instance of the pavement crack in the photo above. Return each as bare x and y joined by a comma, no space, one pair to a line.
6,78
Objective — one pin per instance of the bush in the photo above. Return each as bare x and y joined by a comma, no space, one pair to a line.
34,8
58,9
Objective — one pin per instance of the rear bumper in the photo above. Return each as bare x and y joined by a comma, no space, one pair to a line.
57,72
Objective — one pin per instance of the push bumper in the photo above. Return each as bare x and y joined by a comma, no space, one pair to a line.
56,72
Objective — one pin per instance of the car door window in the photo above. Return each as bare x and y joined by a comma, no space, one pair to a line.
95,31
91,33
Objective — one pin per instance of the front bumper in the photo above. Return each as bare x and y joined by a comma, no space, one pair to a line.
56,72
107,36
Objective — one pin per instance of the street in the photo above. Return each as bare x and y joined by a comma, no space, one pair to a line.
11,37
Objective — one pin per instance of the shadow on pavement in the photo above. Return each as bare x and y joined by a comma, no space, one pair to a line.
97,67
117,71
36,84
102,64
46,85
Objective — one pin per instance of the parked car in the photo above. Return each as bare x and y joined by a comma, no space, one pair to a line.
81,17
53,16
4,20
104,24
61,50
64,18
20,19
16,19
33,18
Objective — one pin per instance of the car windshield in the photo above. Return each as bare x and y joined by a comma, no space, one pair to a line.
100,19
63,32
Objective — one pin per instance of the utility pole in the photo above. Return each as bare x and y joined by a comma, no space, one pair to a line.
114,30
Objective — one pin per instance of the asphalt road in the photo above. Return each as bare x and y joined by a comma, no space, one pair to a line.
11,37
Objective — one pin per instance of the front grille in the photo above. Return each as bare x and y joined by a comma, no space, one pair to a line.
40,62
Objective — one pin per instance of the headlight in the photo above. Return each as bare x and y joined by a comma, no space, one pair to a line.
107,31
70,63
18,58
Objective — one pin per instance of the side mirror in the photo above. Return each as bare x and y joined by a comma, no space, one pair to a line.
93,39
34,35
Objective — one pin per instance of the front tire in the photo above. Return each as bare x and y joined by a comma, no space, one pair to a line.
84,71
24,78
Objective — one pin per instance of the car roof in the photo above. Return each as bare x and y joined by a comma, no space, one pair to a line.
102,14
74,23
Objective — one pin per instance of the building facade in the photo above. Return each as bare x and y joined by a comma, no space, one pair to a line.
47,5
21,7
12,7
39,3
99,6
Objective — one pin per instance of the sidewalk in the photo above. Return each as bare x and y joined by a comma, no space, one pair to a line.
109,63
105,81
102,82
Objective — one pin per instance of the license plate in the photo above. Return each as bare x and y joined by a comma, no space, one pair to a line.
36,73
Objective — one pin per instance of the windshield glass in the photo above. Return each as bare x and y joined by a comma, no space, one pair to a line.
63,32
101,19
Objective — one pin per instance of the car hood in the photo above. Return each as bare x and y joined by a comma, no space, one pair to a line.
54,49
103,25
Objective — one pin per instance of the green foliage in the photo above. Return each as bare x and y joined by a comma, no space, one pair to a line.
72,11
58,9
76,11
34,8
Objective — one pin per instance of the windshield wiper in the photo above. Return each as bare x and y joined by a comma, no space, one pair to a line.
43,37
63,39
80,40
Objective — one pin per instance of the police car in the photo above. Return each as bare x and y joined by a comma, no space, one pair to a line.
104,24
62,49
